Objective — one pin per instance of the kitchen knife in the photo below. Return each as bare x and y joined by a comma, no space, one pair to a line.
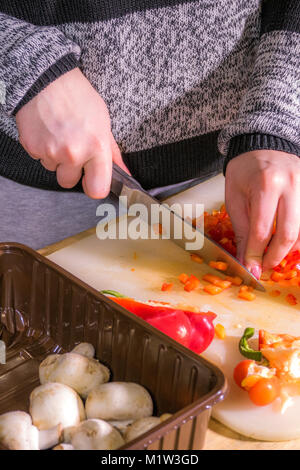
125,185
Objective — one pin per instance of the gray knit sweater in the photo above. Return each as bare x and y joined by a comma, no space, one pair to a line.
189,84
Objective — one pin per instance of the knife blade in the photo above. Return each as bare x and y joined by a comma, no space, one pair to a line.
125,185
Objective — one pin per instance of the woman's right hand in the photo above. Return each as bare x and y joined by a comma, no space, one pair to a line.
67,127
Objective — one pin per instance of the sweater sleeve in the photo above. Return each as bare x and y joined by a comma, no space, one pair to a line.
31,57
269,116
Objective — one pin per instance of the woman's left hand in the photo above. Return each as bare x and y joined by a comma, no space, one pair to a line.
261,186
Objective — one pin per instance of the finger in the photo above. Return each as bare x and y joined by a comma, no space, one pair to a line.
287,230
297,244
236,206
262,208
68,175
97,175
117,156
240,223
48,164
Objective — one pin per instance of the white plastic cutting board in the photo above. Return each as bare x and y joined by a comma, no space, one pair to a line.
138,269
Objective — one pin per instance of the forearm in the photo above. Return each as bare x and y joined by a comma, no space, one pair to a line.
31,57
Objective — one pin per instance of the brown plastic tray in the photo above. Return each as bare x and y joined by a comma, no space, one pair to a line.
45,309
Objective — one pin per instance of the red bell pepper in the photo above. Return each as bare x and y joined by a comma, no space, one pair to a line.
193,330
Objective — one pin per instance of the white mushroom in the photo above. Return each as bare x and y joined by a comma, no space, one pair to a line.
85,349
93,434
140,426
54,403
17,431
165,416
143,425
121,425
119,401
49,437
63,446
79,372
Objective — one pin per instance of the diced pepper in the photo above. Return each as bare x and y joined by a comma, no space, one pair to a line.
246,293
166,286
196,258
183,278
291,299
192,283
220,331
291,274
236,281
216,281
275,276
247,296
275,293
212,290
219,265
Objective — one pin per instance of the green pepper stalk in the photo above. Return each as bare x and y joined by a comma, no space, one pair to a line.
113,293
245,349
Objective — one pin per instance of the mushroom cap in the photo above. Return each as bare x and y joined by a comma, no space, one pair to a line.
54,403
140,426
79,372
121,426
63,446
93,434
17,431
85,349
119,401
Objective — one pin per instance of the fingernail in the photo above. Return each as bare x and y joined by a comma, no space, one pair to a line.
256,271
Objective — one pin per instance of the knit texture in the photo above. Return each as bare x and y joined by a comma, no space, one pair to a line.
188,84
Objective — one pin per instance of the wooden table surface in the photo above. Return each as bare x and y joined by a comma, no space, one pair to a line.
218,436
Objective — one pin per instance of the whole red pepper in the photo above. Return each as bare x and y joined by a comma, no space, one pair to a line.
193,330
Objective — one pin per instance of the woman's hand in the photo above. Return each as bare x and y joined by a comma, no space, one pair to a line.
260,186
67,127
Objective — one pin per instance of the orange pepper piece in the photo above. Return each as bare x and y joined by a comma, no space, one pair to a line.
247,295
219,265
275,293
183,278
167,286
236,281
196,258
220,331
212,290
291,299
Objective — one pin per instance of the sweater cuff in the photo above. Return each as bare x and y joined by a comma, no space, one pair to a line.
248,142
62,66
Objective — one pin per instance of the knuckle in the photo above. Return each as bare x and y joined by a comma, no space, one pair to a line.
98,144
272,178
50,151
288,237
261,234
72,153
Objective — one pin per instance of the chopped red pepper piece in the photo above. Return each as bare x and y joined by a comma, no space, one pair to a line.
167,286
